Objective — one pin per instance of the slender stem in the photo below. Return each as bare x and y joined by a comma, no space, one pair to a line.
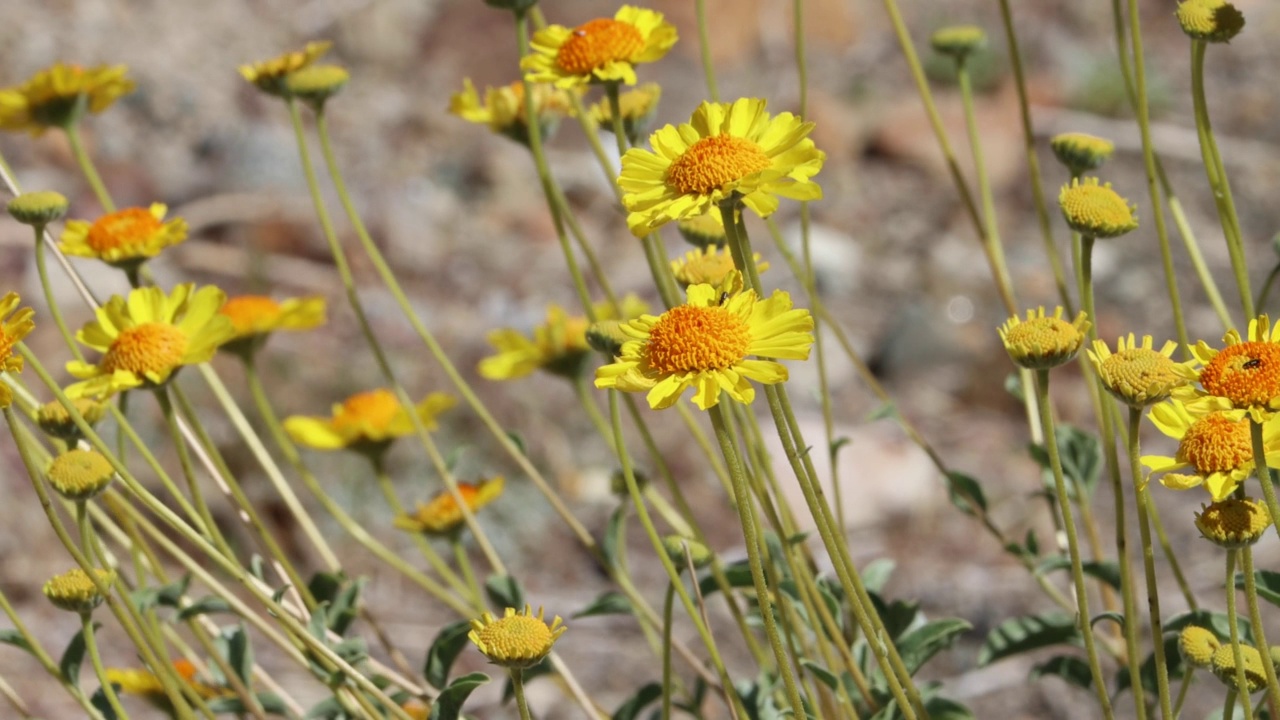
1242,682
704,46
1264,473
615,111
668,604
1129,600
189,472
464,563
1266,287
91,645
429,553
517,687
1188,673
54,310
1149,563
1259,634
87,168
45,660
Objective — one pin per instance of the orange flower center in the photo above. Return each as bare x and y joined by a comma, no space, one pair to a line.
1247,374
248,311
376,408
714,161
688,338
597,42
1215,443
123,229
147,348
442,512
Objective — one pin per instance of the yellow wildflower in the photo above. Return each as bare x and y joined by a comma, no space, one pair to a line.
1233,523
1139,375
255,317
709,265
600,50
558,346
366,421
270,75
1243,378
1215,21
15,323
517,640
74,591
1096,210
1043,341
124,238
442,516
1216,448
1081,152
60,95
503,109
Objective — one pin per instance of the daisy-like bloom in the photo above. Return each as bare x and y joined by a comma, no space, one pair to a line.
1215,21
1233,523
1243,378
1096,210
518,639
80,474
15,323
74,591
1197,645
709,265
255,317
1139,375
1223,665
636,107
704,230
1043,341
367,422
558,346
1216,448
600,50
1081,152
442,516
269,75
59,95
726,152
38,208
503,108
145,684
54,419
148,337
958,41
707,344
125,238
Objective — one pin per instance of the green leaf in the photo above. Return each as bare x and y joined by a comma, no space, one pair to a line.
897,615
737,574
1115,617
613,535
445,649
1023,634
922,643
9,636
1072,669
345,607
884,410
827,677
1216,622
504,591
235,648
324,586
73,658
1147,670
204,606
1106,571
100,703
836,445
518,440
630,710
941,708
876,574
965,493
163,596
609,603
326,709
1267,582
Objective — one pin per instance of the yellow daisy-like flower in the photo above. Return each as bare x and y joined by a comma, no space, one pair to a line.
1233,523
636,108
148,337
600,50
517,640
74,591
1096,210
366,421
1081,152
80,474
1198,645
255,317
726,152
1139,375
59,95
1243,378
1043,341
124,238
1223,665
54,419
1210,20
15,323
558,346
442,516
269,75
144,683
503,108
1217,448
707,344
708,265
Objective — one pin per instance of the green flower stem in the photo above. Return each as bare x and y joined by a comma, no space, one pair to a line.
121,414
1174,564
1259,634
704,47
1266,287
580,237
1140,486
1218,182
464,562
1189,671
746,517
87,168
1193,250
1264,474
45,660
1149,160
517,688
1229,702
615,109
1084,619
54,311
1234,624
189,472
91,645
668,604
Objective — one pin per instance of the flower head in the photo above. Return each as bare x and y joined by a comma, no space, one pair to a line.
600,50
315,84
255,317
1243,378
709,265
80,474
13,327
38,208
269,76
1139,374
1081,152
1216,448
74,591
1096,210
1233,523
124,238
53,418
1043,341
144,683
1223,665
518,639
704,230
149,336
60,95
707,344
367,421
958,41
636,108
1198,645
503,109
725,153
1214,21
442,516
558,346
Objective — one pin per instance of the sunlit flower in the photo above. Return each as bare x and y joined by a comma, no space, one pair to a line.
80,474
442,516
1139,375
1081,152
145,684
707,344
1198,645
38,208
146,338
636,108
1243,378
558,346
726,151
503,108
1223,665
255,317
958,40
269,75
600,50
315,84
124,238
59,95
74,591
517,640
1096,210
1043,341
1233,523
367,421
1216,448
1214,21
709,265
15,323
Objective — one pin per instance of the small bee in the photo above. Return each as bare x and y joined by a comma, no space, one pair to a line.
1252,363
724,297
